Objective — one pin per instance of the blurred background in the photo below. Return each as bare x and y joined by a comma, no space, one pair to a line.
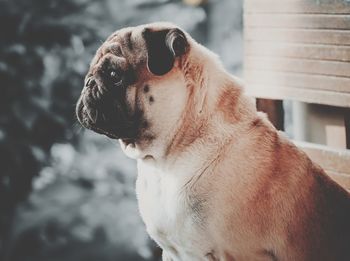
66,193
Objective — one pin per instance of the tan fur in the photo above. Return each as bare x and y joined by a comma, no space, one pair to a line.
227,105
219,182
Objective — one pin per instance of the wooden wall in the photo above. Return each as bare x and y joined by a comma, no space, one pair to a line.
298,49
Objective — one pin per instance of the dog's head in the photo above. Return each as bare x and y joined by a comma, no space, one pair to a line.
135,88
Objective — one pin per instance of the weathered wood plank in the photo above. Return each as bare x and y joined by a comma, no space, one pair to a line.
333,37
335,160
298,80
297,6
298,65
307,21
347,127
292,93
306,51
342,179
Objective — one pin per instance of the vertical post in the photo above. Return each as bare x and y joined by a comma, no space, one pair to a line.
274,111
347,127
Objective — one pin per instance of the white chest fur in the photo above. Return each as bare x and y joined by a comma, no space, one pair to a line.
167,210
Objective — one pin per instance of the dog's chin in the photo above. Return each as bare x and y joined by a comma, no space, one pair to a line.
131,148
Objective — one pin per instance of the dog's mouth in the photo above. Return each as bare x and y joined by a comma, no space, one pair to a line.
104,110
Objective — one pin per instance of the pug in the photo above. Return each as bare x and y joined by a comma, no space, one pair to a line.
216,181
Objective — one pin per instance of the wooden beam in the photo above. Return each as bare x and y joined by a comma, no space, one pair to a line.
274,111
336,162
347,126
298,50
297,6
296,35
280,64
279,92
305,21
298,80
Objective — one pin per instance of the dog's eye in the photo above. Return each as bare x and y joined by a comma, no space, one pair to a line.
116,78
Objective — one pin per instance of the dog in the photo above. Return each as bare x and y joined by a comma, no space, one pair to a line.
216,181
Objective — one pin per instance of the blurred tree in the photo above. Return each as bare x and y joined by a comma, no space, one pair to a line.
45,48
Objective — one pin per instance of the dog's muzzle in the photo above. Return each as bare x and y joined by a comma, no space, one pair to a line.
102,106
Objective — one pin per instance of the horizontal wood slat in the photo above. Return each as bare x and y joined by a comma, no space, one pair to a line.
298,65
306,51
307,21
297,6
342,179
309,81
292,93
335,162
332,37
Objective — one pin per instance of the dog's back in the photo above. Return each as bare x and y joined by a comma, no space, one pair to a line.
287,208
328,221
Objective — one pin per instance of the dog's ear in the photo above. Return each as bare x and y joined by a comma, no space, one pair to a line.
163,47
